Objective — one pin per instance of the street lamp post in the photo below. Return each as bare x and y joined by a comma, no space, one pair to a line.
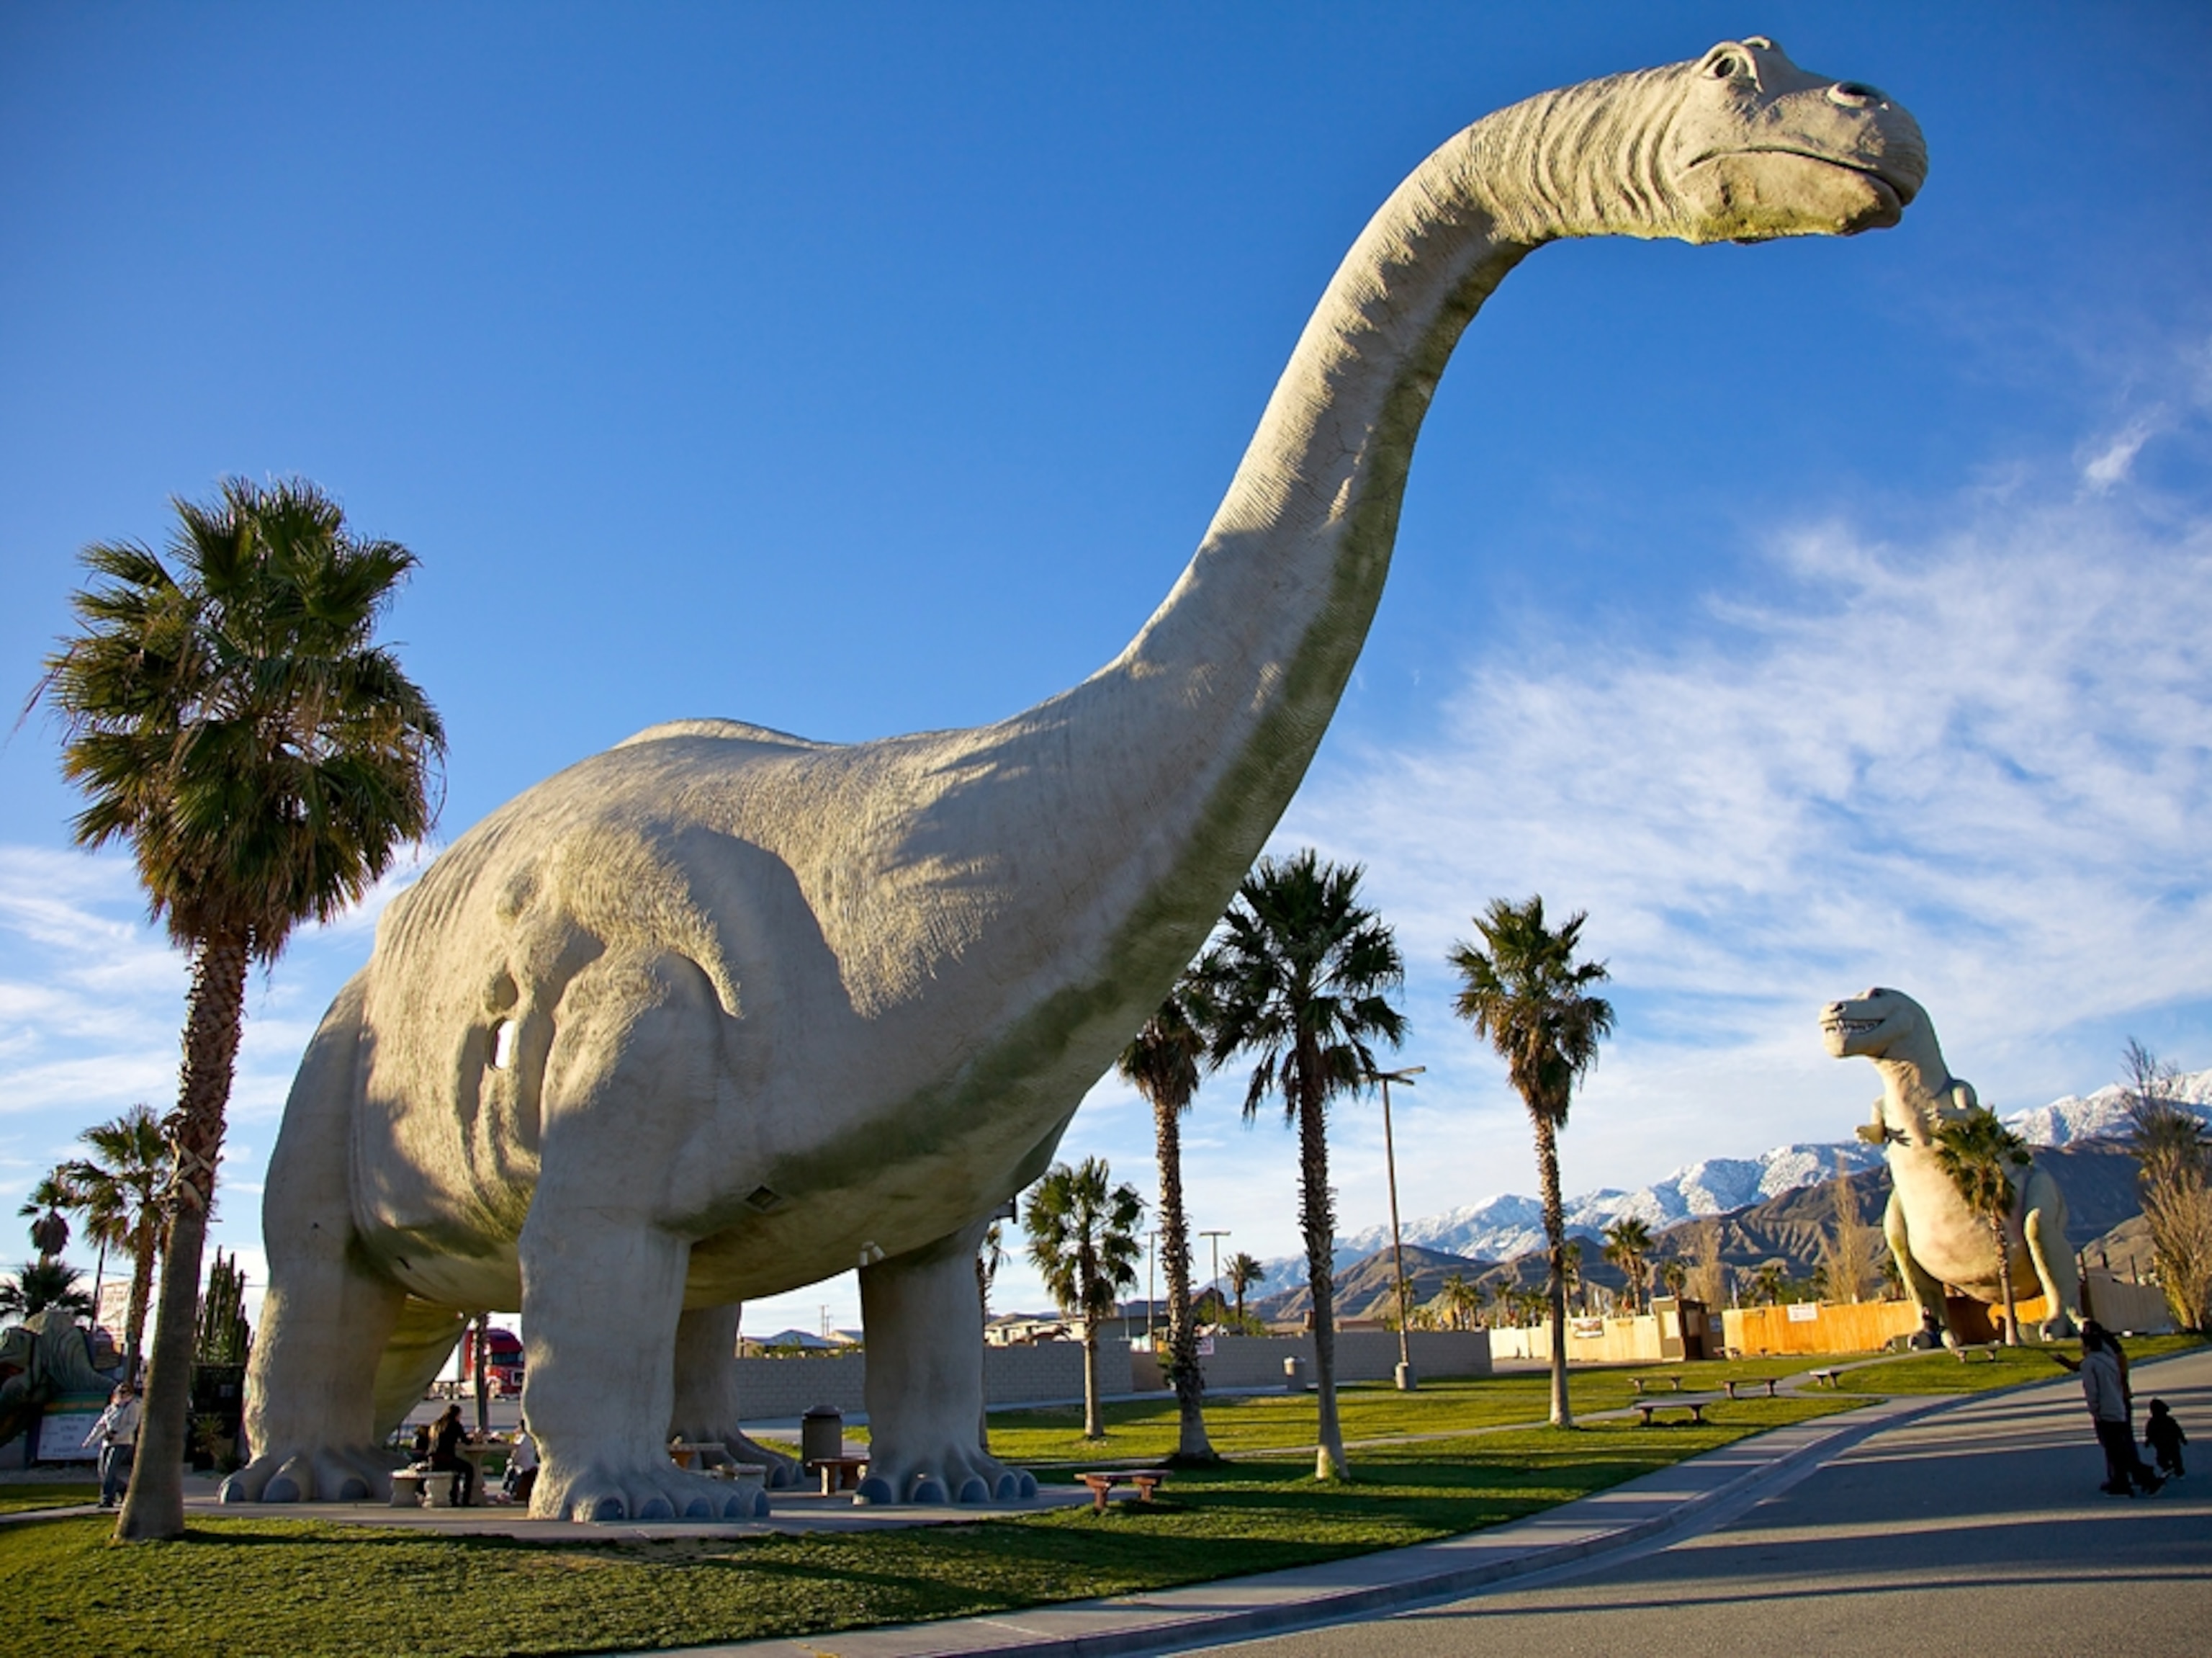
1397,1244
1217,1235
1152,1260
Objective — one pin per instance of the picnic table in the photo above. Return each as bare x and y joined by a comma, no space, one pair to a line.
1695,1404
1102,1481
1734,1382
839,1473
686,1453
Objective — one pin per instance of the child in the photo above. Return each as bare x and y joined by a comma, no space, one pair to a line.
2164,1436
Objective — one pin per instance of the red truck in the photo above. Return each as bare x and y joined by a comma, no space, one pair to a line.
502,1360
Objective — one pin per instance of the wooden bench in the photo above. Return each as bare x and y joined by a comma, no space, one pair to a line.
1825,1378
1103,1482
1767,1382
1696,1407
1672,1383
839,1473
1967,1355
417,1488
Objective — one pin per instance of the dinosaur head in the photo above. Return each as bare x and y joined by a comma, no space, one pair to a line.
1738,145
1759,147
1873,1024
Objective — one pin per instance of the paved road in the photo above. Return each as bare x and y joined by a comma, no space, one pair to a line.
1979,1529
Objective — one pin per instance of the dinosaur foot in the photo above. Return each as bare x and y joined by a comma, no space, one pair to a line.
305,1473
601,1492
959,1474
2061,1328
783,1471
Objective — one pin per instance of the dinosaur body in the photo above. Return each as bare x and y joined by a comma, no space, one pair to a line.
1936,1239
721,1012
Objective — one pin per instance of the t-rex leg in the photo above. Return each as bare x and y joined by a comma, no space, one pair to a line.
707,1390
2044,1226
925,1386
627,1082
310,1396
1925,1293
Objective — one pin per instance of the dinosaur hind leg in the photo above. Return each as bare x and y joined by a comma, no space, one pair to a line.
2044,1228
1925,1293
707,1391
421,1342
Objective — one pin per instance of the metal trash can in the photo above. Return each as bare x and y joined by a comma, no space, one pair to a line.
821,1434
1294,1375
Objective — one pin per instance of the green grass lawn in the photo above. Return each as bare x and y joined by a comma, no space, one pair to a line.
27,1494
247,1587
1945,1373
1245,1424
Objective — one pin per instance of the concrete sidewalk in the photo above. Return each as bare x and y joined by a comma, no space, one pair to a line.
1234,1608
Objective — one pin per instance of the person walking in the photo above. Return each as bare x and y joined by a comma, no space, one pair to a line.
117,1431
2164,1436
2105,1389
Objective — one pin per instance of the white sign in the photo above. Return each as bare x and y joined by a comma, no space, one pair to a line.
1206,1347
1587,1329
1804,1312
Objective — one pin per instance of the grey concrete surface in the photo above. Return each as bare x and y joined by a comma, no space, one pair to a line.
1980,1527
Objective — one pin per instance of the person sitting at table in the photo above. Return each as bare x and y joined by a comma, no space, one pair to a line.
522,1464
419,1452
446,1456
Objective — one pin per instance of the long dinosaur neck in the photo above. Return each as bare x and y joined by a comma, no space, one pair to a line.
1210,716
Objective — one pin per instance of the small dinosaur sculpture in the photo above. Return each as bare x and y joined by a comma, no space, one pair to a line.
721,1012
1936,1239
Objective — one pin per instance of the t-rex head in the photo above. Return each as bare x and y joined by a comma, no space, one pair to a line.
1877,1024
1738,145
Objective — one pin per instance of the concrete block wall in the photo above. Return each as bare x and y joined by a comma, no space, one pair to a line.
1361,1356
769,1389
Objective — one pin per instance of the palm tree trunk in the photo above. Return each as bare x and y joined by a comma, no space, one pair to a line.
1318,1216
144,1250
154,1507
1555,1234
1094,1419
2004,1276
1191,1442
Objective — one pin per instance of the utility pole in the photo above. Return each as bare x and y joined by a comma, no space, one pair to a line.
1217,1236
1405,1078
1152,1260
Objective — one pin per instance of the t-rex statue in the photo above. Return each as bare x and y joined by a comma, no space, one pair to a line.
45,1357
721,1012
1935,1238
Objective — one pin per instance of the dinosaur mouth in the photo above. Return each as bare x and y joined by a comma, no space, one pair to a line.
1896,190
1850,1026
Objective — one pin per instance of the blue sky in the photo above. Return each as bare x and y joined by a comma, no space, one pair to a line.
1815,614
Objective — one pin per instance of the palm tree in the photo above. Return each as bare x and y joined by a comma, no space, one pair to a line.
1243,1272
1979,1153
1675,1273
1628,1246
1576,1283
118,1189
231,716
1463,1302
50,1228
1082,1239
1769,1283
37,1285
1297,976
1162,1063
1525,991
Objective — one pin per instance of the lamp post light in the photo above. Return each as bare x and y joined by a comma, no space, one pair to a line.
1405,1078
1217,1235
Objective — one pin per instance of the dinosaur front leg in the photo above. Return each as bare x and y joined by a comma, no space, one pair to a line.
1925,1293
707,1391
2044,1228
628,1080
310,1410
924,1323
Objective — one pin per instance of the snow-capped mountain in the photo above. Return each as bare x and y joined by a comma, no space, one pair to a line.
1501,1228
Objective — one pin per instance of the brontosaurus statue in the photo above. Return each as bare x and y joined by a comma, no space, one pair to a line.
721,1012
1934,1237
